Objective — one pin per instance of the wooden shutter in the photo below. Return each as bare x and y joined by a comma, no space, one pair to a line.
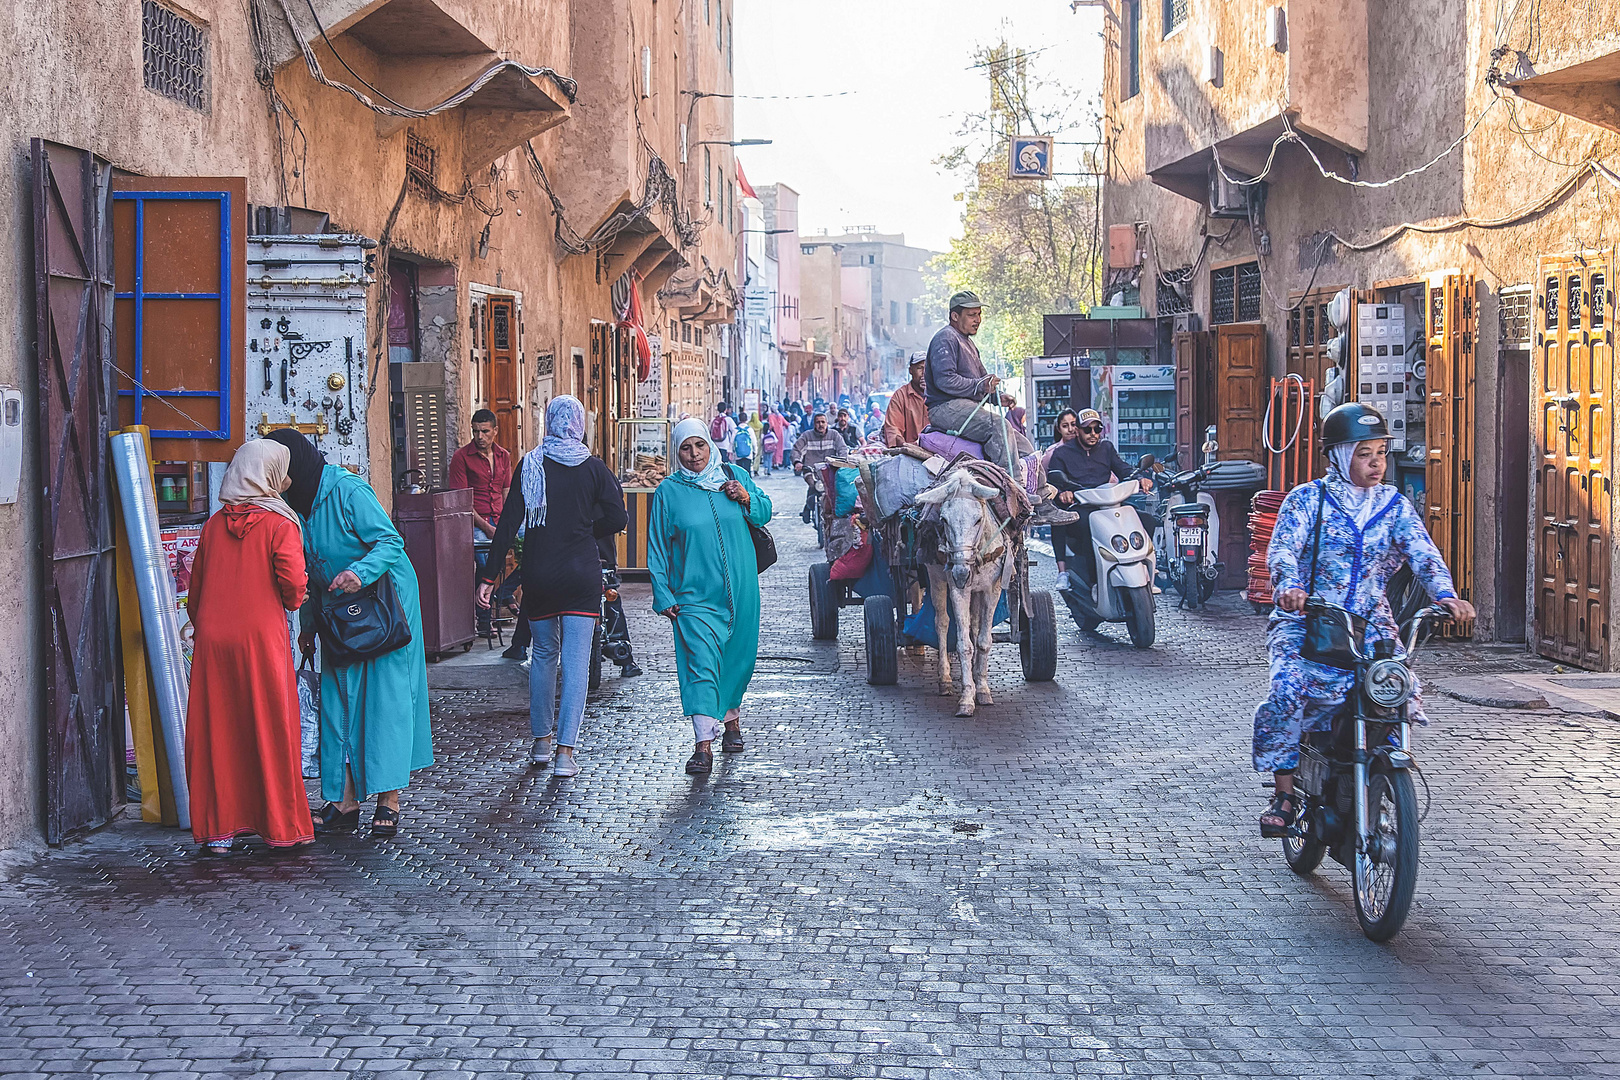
179,317
73,304
502,352
1187,440
1452,326
1240,367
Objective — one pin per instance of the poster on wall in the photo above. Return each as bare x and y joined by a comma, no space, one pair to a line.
750,402
650,391
180,548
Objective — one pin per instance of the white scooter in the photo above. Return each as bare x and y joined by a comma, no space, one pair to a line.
1123,554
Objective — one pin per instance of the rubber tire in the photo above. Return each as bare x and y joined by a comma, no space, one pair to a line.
1404,795
1037,645
1139,615
823,603
1405,593
596,659
1187,584
882,649
1303,855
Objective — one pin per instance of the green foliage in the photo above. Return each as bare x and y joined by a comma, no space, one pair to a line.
1028,248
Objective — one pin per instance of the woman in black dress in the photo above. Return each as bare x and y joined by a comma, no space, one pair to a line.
565,500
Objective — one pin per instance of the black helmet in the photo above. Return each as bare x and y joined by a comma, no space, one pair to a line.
1352,423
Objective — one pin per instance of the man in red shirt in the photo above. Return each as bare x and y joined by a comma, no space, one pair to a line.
486,467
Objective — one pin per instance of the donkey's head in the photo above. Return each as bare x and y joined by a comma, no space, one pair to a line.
967,527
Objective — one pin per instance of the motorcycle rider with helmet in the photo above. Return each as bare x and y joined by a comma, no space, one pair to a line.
1361,530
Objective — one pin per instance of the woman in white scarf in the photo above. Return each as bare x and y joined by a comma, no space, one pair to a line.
706,582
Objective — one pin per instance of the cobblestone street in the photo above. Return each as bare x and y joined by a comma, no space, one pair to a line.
1069,883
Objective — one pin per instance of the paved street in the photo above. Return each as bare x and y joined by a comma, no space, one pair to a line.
1067,884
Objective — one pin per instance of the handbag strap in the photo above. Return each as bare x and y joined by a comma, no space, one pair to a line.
725,561
1316,542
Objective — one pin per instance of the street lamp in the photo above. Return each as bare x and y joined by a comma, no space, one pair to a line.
718,142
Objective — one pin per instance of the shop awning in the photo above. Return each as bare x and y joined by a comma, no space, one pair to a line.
1589,90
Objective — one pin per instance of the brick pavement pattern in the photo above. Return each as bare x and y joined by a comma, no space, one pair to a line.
1068,884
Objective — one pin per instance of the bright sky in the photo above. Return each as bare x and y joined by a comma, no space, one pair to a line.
868,158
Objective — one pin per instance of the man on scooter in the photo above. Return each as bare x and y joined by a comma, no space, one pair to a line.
1090,461
810,450
1340,538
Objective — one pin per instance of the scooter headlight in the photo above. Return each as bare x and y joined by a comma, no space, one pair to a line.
1138,541
1120,544
1390,683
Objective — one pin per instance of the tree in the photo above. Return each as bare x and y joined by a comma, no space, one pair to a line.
1028,247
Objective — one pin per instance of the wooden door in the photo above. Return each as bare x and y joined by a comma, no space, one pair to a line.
1573,397
1240,368
501,350
1452,328
73,303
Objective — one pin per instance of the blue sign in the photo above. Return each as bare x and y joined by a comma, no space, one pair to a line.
1029,158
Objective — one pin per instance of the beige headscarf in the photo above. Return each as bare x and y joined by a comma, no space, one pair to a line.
257,476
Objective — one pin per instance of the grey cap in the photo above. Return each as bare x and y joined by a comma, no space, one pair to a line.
918,357
966,299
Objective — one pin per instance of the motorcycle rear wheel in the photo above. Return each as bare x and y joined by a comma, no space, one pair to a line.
1384,885
1187,584
1303,853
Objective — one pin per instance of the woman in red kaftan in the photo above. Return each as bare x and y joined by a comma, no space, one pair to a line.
243,758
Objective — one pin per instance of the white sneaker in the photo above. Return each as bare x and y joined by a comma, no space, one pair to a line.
540,753
565,766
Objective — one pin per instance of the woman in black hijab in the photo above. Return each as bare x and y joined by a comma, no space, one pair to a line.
304,469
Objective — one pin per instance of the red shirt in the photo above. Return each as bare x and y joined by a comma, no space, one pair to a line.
488,479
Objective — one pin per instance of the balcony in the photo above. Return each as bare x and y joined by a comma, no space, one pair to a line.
1587,88
1225,80
419,53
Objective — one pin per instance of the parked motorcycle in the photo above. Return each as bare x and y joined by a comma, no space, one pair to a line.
1354,782
612,638
1123,557
1190,539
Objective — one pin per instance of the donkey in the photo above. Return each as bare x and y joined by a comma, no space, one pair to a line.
974,564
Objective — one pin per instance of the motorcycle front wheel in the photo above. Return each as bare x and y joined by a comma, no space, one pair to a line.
1386,873
1139,615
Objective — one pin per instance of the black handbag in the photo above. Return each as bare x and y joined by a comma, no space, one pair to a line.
360,626
1328,639
764,545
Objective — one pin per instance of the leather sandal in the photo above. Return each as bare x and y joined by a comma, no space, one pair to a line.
1279,816
384,821
330,819
731,740
701,763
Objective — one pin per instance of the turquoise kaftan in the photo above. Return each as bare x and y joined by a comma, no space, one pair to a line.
702,559
374,715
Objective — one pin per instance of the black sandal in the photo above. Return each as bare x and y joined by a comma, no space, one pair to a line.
384,821
1284,808
330,819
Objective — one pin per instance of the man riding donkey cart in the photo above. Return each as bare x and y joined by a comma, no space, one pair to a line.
940,516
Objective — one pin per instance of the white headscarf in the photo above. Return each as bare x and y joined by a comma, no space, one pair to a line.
257,475
1359,502
564,443
713,477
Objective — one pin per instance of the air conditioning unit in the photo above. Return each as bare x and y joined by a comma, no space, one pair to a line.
1228,199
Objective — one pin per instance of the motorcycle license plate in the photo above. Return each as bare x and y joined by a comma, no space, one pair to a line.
1190,537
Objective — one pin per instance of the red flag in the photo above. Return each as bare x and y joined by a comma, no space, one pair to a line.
742,182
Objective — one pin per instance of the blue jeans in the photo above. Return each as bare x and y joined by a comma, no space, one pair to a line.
564,640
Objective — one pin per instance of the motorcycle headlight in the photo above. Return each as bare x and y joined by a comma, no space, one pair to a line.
1138,540
1121,544
1389,683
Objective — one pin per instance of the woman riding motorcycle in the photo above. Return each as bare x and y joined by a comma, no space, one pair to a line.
1367,530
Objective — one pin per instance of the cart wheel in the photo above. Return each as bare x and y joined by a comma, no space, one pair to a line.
882,656
595,680
823,603
1037,644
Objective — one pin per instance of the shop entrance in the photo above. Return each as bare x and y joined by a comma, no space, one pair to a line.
1573,399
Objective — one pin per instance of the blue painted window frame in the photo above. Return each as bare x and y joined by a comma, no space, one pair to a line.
222,396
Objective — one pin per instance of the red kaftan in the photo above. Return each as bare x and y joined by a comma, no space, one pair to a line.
243,758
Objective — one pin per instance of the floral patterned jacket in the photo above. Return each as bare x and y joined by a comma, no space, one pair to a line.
1353,565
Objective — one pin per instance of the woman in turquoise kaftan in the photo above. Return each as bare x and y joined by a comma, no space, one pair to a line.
706,582
374,714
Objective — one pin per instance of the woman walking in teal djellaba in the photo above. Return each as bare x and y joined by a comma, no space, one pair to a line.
705,580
